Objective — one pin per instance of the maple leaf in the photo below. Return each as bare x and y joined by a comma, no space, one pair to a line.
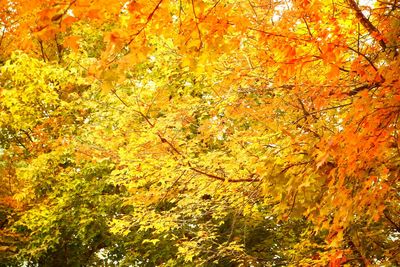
199,132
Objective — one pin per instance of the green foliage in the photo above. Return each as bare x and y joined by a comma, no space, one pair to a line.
199,133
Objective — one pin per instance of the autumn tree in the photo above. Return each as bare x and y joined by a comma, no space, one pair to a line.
199,133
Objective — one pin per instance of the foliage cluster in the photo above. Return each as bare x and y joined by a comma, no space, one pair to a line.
199,133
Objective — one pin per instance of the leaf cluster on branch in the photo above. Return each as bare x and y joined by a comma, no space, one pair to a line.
199,133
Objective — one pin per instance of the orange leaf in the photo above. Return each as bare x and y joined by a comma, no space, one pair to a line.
72,42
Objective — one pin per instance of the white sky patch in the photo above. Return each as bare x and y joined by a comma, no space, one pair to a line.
152,58
70,12
124,9
340,126
280,8
287,5
151,85
394,236
366,3
369,3
138,84
369,40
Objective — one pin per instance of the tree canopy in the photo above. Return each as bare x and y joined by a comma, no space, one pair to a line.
199,133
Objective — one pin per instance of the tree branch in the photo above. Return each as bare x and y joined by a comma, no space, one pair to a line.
366,23
397,227
222,178
363,87
175,150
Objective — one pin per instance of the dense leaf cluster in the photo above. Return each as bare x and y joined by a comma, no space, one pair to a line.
199,133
